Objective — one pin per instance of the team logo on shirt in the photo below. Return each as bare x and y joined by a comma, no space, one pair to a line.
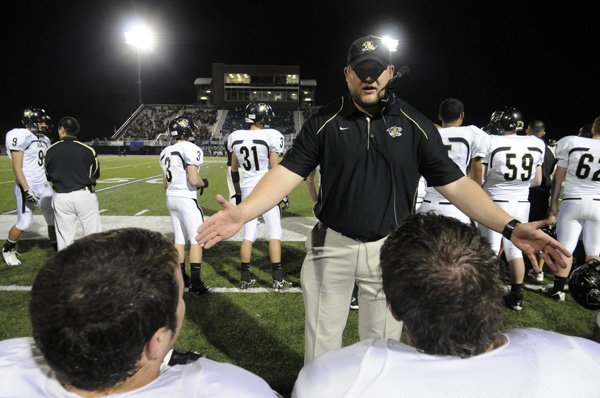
394,131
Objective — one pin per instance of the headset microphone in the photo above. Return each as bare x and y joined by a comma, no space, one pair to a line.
389,95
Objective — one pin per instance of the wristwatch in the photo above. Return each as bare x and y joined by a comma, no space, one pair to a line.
509,228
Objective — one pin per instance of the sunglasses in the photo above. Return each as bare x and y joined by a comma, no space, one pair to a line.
369,69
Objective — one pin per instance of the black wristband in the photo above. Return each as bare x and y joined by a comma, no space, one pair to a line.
509,228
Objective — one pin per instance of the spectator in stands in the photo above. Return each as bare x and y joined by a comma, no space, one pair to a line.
106,313
440,277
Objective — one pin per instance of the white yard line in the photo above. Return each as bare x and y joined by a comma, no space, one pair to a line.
128,183
139,213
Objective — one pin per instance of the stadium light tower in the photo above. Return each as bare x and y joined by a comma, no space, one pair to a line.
391,43
142,39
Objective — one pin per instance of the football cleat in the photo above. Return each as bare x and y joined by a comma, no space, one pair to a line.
187,282
246,284
281,285
10,257
354,303
513,301
538,277
556,295
199,288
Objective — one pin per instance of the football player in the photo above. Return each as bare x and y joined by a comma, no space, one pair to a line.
513,165
579,212
180,163
26,148
539,197
466,146
255,151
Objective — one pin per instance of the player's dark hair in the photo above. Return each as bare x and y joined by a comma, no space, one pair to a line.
95,304
440,277
537,126
450,110
70,124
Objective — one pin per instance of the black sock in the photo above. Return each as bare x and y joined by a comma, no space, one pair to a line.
196,280
9,245
516,288
559,283
52,237
277,272
245,271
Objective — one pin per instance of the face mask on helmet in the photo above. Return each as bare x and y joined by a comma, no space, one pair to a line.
258,113
508,119
584,285
36,120
182,127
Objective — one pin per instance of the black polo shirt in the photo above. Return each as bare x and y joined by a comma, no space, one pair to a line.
370,166
71,165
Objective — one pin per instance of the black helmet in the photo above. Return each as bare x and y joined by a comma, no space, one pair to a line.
258,113
182,127
32,116
584,285
508,119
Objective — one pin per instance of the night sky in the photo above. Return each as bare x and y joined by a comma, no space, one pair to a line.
70,57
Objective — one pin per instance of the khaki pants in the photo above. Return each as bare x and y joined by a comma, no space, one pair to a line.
70,207
332,264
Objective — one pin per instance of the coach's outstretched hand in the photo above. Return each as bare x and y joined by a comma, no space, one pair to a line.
220,225
530,238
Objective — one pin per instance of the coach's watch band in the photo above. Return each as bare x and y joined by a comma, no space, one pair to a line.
509,228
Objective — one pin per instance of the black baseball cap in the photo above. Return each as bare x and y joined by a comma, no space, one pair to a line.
369,48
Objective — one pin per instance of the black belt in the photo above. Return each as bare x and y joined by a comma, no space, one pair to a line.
356,238
90,188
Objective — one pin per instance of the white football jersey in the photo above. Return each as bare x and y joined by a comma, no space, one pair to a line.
464,143
33,148
174,160
25,373
388,368
252,149
581,157
511,162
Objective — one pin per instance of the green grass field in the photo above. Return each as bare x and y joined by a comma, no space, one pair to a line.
262,332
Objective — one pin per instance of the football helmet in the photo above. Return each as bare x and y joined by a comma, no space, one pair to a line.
258,113
508,119
182,127
584,285
36,120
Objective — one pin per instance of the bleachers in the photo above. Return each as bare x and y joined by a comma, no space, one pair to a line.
150,120
149,124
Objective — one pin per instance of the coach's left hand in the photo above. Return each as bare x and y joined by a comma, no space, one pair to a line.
530,238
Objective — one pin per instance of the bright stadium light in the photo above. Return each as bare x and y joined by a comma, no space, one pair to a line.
142,39
392,44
